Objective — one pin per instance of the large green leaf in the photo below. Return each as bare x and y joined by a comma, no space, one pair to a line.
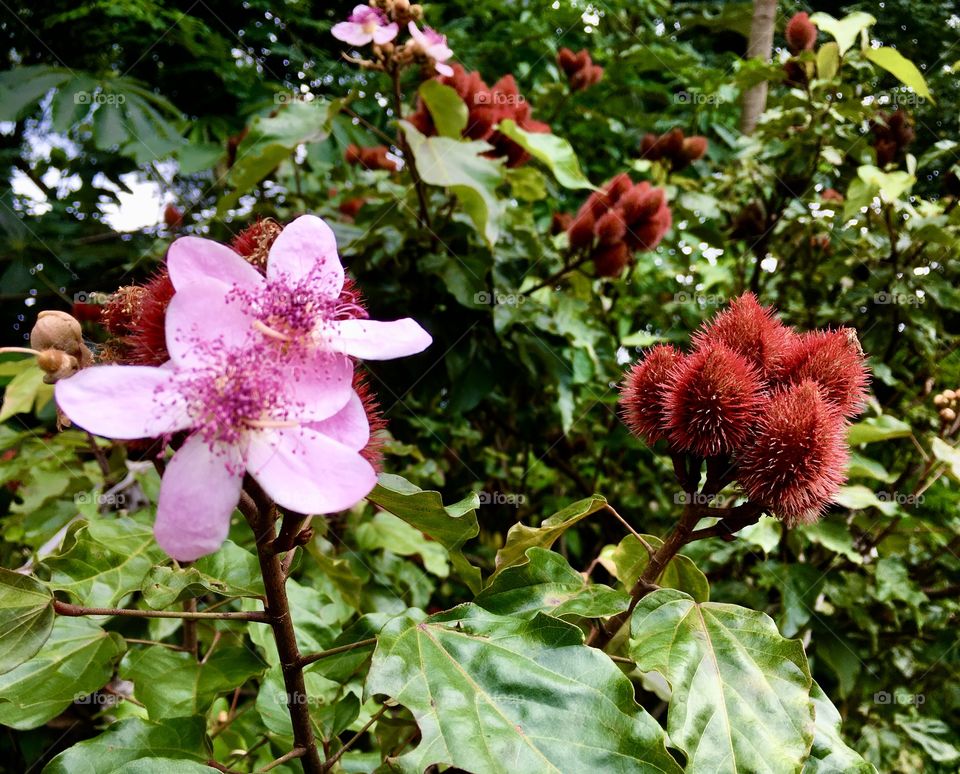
630,559
830,754
461,166
22,87
232,571
77,659
741,692
451,525
180,739
497,694
104,560
900,67
882,428
447,108
844,30
521,537
548,584
172,683
555,152
22,392
386,531
26,618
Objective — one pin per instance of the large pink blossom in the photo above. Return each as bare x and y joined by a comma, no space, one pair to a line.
298,306
365,25
434,45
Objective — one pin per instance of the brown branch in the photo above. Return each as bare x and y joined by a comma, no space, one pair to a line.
75,611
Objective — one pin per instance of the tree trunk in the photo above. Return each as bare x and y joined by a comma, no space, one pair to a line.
760,45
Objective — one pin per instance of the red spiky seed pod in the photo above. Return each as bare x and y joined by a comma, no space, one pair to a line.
567,61
136,315
713,399
610,261
610,228
253,242
832,195
642,393
650,147
694,148
641,202
796,459
801,33
647,234
617,187
580,232
373,451
834,360
560,222
750,329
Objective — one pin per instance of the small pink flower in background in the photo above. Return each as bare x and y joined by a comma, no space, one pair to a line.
298,307
365,25
433,45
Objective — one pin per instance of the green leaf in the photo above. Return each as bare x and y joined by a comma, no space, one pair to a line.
386,531
154,765
271,140
830,754
520,537
891,185
272,698
766,534
103,560
555,152
495,694
172,684
834,535
894,583
22,87
76,660
26,618
231,572
134,739
857,497
929,733
828,60
548,584
451,526
844,30
447,109
462,167
630,559
882,428
741,692
21,393
900,67
948,454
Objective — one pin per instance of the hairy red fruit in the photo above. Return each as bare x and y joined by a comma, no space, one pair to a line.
567,61
373,451
892,133
610,261
713,399
832,195
646,234
642,202
560,222
834,360
617,187
750,329
801,33
136,315
610,228
642,393
796,460
254,242
650,147
695,147
580,232
350,207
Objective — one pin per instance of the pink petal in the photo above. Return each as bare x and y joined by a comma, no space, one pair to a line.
199,491
444,69
320,386
308,472
385,34
377,340
307,246
123,402
202,312
351,33
191,259
348,426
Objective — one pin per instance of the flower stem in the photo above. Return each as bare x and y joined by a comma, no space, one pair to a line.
262,518
409,160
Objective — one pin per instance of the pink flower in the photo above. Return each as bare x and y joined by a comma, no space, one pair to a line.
298,431
433,45
297,308
365,25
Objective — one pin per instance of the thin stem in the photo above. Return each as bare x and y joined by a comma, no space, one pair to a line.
171,646
263,521
65,608
296,752
18,351
567,268
312,657
630,529
329,763
411,163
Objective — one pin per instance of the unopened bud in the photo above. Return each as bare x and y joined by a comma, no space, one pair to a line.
948,414
57,330
940,400
416,12
949,395
57,365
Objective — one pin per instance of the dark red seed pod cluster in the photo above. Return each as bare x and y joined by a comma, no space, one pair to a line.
673,148
619,220
374,157
772,401
892,135
487,106
579,68
801,33
135,316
